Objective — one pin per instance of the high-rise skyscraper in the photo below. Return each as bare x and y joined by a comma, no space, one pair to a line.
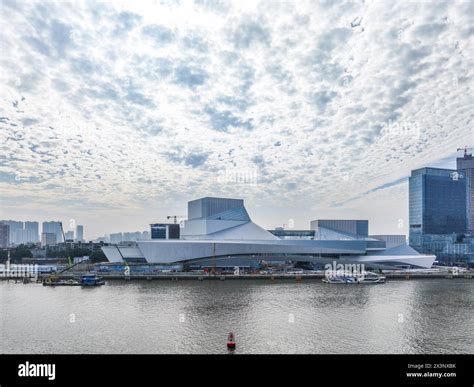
80,233
465,166
48,238
4,235
69,235
437,204
22,232
16,231
32,232
53,227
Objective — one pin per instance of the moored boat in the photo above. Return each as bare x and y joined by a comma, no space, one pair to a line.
86,280
92,280
61,282
365,277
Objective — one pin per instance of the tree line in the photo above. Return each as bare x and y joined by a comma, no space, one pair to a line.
22,251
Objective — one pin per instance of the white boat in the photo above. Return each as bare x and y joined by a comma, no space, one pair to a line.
366,277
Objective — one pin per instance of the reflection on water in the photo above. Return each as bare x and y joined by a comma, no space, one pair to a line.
423,316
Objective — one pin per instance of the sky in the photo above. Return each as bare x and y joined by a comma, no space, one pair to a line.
115,114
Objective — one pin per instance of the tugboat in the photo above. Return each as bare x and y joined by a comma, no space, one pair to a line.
86,281
231,341
92,280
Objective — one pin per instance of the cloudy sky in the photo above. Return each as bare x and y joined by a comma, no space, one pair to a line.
116,114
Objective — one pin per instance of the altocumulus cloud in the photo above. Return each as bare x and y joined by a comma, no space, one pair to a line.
153,100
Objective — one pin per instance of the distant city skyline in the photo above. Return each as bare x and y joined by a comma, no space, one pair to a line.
398,223
21,232
115,115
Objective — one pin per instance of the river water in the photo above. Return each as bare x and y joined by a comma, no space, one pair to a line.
401,316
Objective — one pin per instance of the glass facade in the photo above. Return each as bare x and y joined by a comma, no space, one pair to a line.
450,249
445,205
437,202
437,212
466,166
165,231
158,232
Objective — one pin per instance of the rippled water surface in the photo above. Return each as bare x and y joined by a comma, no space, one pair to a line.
415,316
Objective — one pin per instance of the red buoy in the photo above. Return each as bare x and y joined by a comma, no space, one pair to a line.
231,341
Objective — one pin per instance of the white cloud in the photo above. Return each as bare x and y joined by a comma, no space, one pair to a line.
127,108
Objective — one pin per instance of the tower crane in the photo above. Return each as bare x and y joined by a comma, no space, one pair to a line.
465,150
175,217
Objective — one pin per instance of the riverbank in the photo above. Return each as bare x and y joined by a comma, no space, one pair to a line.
268,277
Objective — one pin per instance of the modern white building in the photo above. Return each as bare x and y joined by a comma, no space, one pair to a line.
391,240
219,232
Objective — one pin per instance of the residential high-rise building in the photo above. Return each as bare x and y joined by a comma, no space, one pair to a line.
465,166
22,232
16,231
116,238
32,232
4,235
53,227
131,236
48,238
18,236
80,233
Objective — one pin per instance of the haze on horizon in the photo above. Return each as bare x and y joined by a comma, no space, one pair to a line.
116,114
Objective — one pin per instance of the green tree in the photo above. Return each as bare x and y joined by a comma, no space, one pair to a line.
98,256
3,255
20,252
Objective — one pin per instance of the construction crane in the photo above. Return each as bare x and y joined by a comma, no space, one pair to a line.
175,217
55,277
62,231
465,150
65,244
